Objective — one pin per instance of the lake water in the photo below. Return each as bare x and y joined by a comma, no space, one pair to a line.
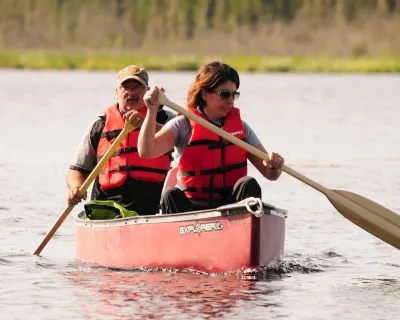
339,130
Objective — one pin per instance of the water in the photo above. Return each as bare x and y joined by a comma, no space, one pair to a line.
339,130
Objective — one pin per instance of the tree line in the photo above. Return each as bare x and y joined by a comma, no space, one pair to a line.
139,24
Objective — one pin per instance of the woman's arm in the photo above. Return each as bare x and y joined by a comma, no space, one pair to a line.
270,171
150,143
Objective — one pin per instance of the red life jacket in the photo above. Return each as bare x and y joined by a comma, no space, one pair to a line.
126,159
210,165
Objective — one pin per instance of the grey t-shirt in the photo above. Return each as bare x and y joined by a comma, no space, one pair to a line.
85,158
181,129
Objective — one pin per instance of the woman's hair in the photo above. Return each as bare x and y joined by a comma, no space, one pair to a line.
209,77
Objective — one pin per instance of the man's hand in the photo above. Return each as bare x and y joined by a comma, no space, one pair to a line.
73,197
135,118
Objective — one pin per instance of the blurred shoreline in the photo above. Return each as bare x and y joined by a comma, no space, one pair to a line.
52,60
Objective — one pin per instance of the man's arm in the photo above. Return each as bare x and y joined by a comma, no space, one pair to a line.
76,178
84,162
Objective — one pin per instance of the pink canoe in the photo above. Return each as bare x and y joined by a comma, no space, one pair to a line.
235,237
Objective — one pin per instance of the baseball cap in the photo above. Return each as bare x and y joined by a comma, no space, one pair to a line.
133,72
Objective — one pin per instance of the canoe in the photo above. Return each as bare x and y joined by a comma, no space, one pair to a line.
244,235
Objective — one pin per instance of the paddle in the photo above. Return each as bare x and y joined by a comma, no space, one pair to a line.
372,217
92,176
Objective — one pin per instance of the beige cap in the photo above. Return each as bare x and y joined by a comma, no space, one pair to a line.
133,72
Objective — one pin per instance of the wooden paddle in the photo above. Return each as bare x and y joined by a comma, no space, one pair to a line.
127,128
372,217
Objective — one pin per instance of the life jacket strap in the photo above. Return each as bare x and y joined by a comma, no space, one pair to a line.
111,134
121,151
221,170
139,168
212,144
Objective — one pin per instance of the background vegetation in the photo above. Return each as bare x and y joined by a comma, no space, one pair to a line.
338,35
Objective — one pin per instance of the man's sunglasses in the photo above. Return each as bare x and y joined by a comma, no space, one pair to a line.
131,88
225,94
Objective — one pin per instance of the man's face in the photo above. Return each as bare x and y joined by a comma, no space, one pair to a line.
130,95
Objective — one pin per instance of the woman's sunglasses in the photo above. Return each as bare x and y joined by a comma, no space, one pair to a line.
225,94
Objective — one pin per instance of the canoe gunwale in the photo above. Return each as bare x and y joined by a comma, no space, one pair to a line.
237,208
223,211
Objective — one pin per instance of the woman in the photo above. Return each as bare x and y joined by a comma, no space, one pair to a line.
212,171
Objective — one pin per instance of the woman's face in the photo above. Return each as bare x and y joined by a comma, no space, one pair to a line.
220,100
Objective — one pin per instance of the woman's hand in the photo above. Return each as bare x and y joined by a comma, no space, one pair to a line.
151,98
135,118
276,161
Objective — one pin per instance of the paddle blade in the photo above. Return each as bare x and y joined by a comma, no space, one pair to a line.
367,214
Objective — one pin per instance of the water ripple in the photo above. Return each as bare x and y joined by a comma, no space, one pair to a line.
5,262
331,254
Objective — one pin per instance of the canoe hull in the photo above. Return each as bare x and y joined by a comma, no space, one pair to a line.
209,241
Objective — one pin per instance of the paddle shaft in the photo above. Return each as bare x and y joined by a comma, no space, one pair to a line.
92,176
229,137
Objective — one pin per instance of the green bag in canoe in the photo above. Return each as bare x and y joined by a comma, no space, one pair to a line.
106,210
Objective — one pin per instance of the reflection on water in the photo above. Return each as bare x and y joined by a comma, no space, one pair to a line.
128,294
340,130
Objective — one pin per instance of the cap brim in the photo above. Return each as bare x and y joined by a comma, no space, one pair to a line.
122,80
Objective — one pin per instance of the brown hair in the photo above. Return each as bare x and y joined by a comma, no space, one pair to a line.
209,77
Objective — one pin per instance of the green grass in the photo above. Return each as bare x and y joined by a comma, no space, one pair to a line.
111,61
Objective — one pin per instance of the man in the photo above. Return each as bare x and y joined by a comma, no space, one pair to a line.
127,179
